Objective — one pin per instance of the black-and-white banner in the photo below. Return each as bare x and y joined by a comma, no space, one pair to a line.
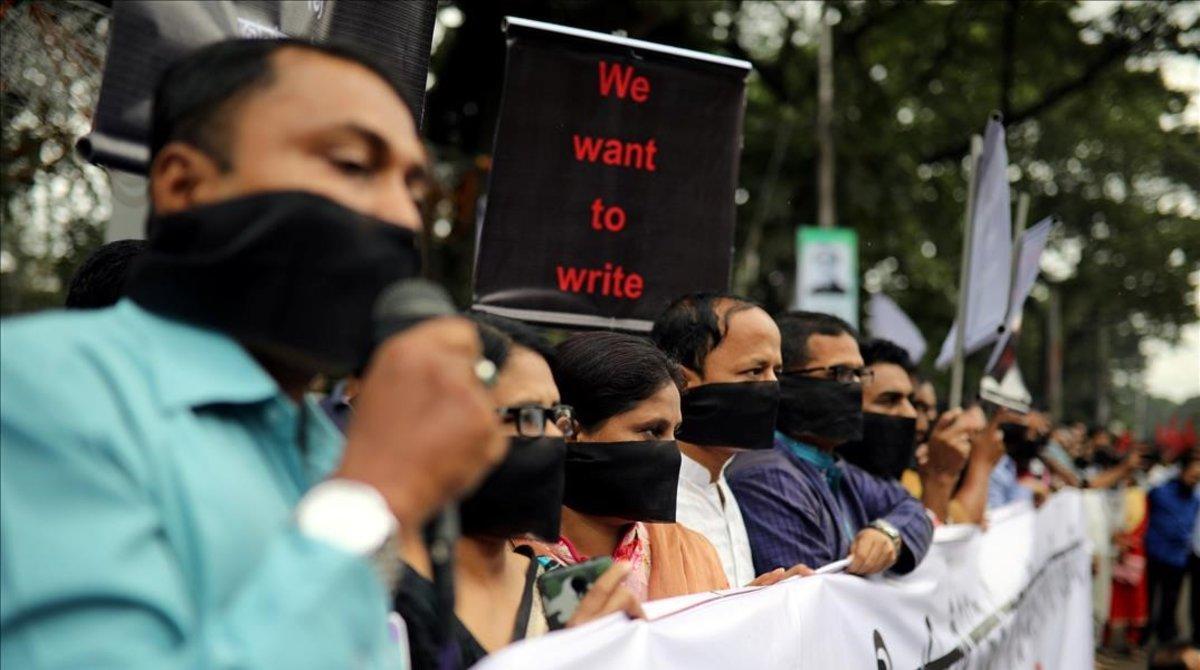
1015,596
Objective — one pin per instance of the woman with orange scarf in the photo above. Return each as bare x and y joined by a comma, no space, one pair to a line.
623,467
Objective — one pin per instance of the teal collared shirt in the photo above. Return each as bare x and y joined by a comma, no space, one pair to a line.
148,474
824,462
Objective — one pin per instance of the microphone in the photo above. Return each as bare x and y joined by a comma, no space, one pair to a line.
407,302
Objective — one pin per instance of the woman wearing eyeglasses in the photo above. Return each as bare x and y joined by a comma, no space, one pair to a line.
622,467
495,601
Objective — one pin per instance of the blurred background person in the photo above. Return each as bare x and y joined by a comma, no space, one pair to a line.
1129,606
1173,507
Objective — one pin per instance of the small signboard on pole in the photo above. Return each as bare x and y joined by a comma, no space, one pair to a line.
827,271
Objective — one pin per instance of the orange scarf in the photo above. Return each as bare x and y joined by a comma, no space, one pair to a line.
679,561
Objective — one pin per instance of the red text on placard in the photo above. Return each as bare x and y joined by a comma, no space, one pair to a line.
603,281
623,79
607,217
609,151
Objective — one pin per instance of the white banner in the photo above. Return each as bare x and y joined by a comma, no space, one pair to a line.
1016,596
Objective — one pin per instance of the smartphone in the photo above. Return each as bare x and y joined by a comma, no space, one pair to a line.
561,589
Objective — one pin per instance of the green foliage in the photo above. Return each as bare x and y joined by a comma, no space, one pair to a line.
1094,136
52,204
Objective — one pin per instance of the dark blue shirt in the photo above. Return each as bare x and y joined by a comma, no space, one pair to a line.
804,506
1172,508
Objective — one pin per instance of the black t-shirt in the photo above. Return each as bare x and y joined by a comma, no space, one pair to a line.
416,602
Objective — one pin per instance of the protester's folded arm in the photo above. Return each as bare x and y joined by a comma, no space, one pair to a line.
91,579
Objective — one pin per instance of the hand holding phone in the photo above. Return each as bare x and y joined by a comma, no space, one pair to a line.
576,594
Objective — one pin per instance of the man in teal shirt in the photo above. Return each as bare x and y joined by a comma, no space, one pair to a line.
169,500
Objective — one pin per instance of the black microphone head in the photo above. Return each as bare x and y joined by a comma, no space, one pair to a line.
407,302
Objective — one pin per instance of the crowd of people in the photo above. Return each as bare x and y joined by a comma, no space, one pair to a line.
175,495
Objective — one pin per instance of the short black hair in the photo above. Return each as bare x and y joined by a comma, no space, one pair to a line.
100,280
797,326
519,333
196,93
879,350
496,344
688,329
602,374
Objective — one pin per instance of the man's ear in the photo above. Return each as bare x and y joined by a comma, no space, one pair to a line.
690,378
183,177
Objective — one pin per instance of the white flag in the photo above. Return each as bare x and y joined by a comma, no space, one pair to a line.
1029,258
991,250
886,320
1029,262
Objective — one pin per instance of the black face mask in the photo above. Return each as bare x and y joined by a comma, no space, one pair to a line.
523,495
291,274
886,447
1018,446
824,408
740,415
635,481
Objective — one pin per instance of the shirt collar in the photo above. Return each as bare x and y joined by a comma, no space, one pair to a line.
194,366
826,463
692,472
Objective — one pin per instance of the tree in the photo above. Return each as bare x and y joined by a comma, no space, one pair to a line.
53,203
1094,137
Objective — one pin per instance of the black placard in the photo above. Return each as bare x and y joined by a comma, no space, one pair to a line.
148,35
612,181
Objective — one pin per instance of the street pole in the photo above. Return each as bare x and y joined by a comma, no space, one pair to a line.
964,277
826,207
1054,353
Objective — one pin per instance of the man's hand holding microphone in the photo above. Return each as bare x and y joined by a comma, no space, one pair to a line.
423,432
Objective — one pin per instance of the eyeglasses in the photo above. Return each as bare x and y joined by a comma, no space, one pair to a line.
842,374
531,419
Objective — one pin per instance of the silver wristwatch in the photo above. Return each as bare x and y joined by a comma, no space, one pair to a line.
888,529
353,517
